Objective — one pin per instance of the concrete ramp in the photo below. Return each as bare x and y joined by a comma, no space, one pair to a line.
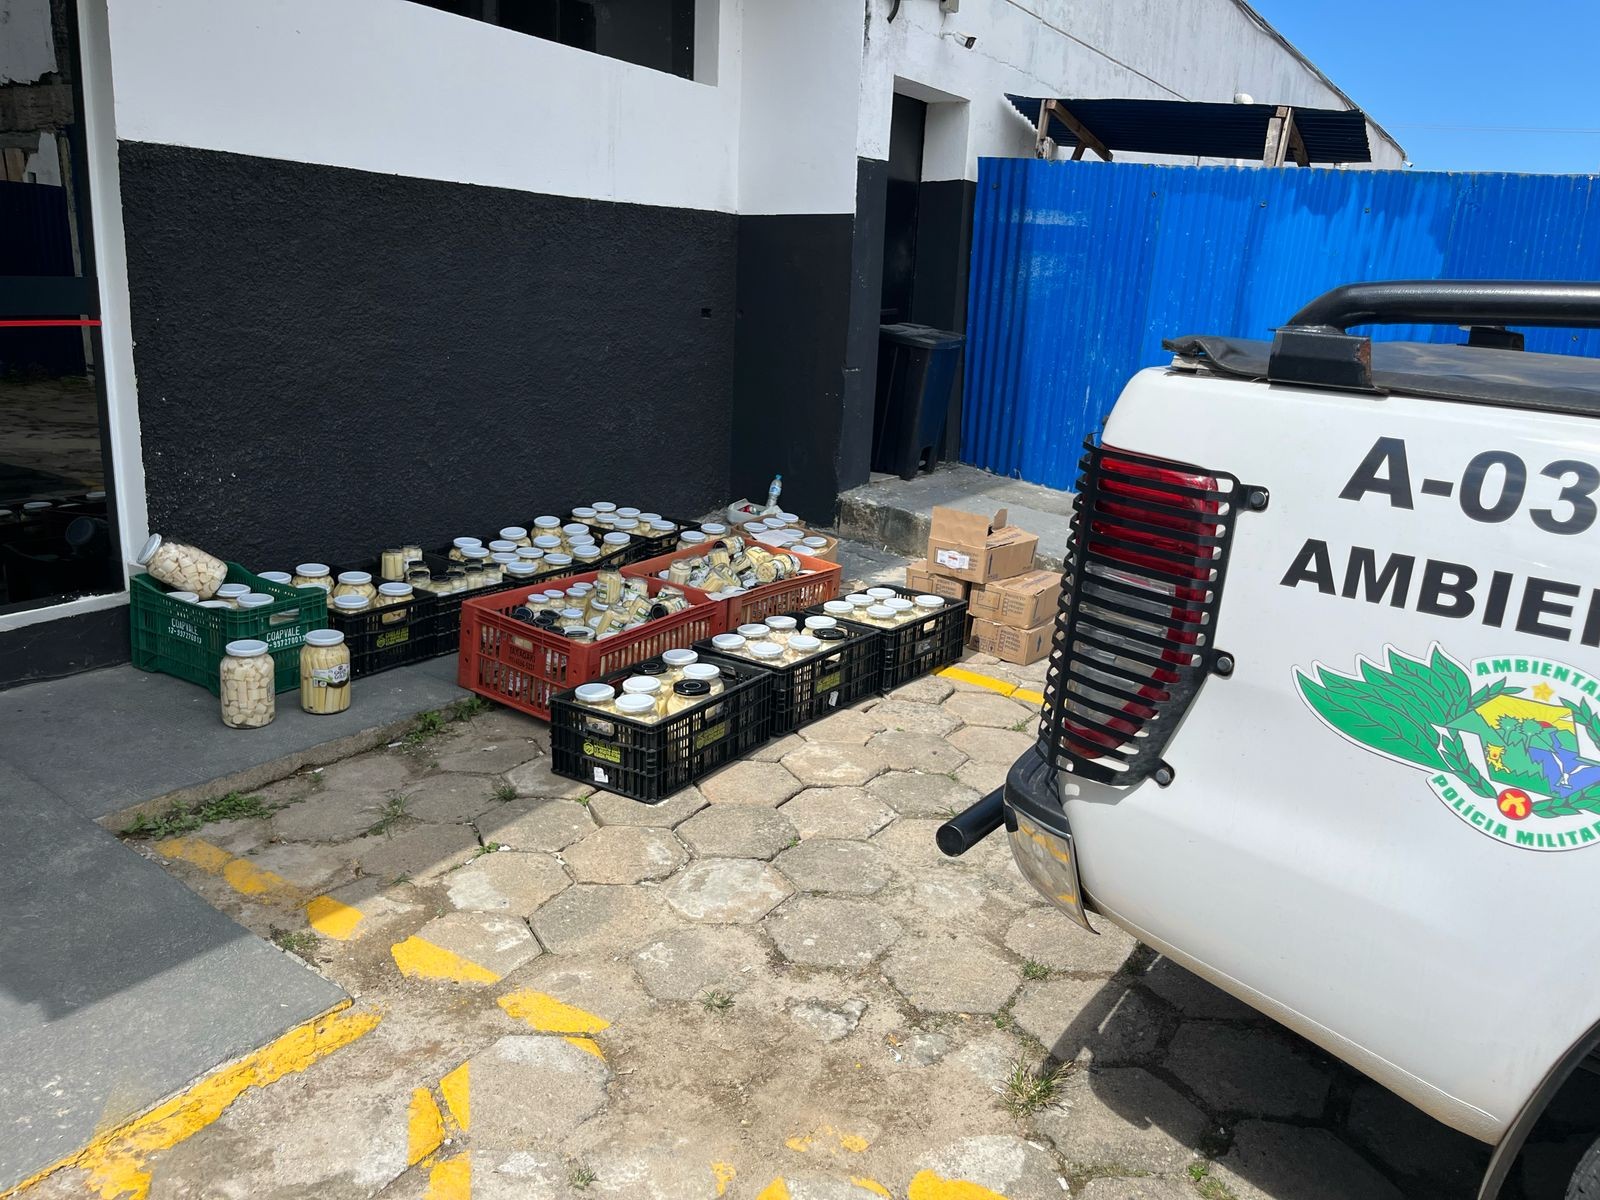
118,985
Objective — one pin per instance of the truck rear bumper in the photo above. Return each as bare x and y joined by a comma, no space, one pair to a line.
1041,842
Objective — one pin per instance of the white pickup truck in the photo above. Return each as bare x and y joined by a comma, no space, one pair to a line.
1322,720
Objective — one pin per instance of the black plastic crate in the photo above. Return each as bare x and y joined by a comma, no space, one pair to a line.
649,761
804,691
395,635
918,648
447,619
641,548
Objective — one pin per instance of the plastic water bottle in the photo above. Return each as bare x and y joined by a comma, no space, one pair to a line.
774,490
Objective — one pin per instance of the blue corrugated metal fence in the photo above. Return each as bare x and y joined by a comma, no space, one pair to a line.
1080,269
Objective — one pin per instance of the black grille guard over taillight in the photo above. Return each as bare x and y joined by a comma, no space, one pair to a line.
1135,634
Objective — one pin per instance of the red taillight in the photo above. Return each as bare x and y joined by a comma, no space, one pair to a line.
1150,538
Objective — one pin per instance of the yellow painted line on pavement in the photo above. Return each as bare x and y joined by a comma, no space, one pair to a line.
425,1127
451,1179
549,1015
456,1088
871,1185
776,1190
830,1137
588,1045
927,1185
1026,695
242,875
115,1160
418,958
333,918
723,1173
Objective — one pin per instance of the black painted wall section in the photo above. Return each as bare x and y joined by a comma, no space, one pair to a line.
861,341
795,287
331,360
65,646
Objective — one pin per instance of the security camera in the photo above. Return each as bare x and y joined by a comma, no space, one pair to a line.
968,40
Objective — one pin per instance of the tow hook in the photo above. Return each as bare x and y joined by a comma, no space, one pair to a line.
971,825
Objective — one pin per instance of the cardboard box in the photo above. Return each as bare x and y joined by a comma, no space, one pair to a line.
975,548
1020,646
1022,601
920,579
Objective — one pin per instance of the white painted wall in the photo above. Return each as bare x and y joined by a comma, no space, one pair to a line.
1090,48
383,85
27,46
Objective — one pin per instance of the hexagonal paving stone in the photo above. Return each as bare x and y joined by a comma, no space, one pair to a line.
750,782
930,689
506,881
990,709
1192,996
538,780
738,831
536,824
446,798
1005,1165
775,749
727,891
846,935
1269,1161
492,941
495,758
595,917
377,904
833,865
1051,938
608,808
686,964
908,750
1240,1069
1000,746
906,716
306,867
374,774
329,817
915,794
851,727
569,1082
983,777
910,845
832,765
421,852
842,812
1125,1116
1090,1020
625,854
951,974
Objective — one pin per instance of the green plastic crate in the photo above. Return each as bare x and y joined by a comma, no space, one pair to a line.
177,638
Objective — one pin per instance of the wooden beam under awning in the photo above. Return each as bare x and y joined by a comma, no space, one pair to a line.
1079,131
1283,139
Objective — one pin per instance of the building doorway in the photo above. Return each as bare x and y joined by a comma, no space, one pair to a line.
907,130
58,535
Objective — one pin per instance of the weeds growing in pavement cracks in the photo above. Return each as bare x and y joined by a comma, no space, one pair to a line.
295,941
180,819
1003,1018
1209,1188
429,724
716,1001
504,793
1022,725
1027,1090
1035,970
393,810
580,1177
486,848
465,710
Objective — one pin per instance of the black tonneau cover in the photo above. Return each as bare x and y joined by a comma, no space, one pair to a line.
1473,374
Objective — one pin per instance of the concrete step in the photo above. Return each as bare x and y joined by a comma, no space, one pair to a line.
895,513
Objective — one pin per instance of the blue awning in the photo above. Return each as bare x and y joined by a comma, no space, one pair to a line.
1204,130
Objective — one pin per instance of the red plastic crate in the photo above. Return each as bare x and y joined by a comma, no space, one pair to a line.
521,666
786,595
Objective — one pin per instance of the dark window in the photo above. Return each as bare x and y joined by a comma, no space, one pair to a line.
658,34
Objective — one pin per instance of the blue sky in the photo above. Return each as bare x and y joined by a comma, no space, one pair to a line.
1463,85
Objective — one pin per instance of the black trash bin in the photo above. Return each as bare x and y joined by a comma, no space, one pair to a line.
917,368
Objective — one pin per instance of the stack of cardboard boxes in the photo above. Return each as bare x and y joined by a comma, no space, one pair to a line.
989,564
